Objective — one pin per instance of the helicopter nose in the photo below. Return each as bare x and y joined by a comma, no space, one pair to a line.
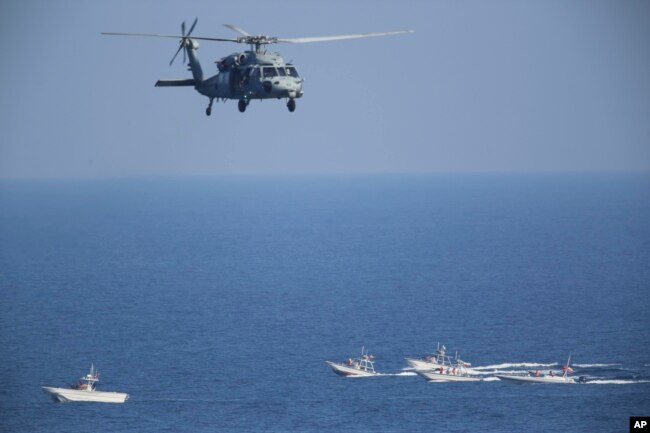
292,88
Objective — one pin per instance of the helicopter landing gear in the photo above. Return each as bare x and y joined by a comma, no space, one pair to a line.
291,105
242,105
208,110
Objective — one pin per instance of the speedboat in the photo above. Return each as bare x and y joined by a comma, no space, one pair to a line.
456,372
362,366
539,377
437,360
85,391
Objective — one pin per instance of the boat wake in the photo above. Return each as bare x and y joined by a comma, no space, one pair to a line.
596,365
490,379
593,373
615,381
510,365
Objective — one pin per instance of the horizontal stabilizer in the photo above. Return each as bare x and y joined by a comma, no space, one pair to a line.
175,83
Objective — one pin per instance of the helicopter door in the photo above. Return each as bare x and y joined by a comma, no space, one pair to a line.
235,79
254,75
246,76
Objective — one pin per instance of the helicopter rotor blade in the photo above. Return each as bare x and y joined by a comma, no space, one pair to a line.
182,43
237,29
156,35
180,47
196,20
340,37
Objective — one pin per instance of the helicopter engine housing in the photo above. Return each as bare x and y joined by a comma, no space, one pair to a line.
232,61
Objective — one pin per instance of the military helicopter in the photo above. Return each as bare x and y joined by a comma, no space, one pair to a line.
246,75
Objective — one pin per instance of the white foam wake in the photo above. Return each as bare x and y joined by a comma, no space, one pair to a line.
595,365
490,379
616,381
514,365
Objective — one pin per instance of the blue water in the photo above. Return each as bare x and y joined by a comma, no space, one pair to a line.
214,302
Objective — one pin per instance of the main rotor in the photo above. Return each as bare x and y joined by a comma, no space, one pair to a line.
257,41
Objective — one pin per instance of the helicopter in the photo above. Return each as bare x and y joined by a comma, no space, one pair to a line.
246,75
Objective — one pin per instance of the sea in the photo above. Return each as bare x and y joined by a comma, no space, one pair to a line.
214,302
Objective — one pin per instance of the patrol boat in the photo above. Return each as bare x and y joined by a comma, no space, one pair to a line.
362,366
437,360
538,377
456,372
85,391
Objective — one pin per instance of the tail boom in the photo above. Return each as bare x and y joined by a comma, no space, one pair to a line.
176,83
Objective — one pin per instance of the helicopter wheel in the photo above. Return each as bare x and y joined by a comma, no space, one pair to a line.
291,105
242,105
208,110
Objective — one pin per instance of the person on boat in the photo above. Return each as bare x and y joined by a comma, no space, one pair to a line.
349,362
441,369
537,373
550,373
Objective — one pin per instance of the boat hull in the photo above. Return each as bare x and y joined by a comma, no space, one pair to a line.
65,395
420,364
344,370
533,379
435,376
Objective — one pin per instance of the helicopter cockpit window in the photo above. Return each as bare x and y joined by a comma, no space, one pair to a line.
269,72
282,72
291,71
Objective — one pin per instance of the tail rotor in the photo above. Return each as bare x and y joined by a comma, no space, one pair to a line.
184,40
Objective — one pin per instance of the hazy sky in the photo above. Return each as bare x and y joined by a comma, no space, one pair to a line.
481,86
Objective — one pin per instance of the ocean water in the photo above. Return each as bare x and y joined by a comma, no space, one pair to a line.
214,302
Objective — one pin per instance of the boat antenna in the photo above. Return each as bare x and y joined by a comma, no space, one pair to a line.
567,366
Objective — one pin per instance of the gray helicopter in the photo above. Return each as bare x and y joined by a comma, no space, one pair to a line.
246,75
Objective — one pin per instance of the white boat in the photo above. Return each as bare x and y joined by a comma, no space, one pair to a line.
362,366
539,377
437,360
456,372
85,391
535,379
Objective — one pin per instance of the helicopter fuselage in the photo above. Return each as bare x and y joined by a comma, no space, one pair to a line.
250,75
243,76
